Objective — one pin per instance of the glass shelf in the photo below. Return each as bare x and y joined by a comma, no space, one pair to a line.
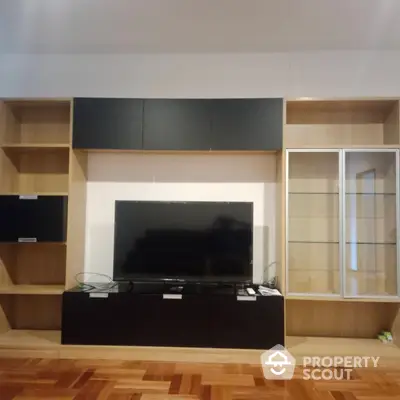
312,241
370,194
322,193
374,243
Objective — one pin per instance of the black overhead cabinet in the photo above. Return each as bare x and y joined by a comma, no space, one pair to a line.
178,124
33,218
247,124
108,124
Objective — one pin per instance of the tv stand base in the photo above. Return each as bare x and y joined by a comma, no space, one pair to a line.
215,319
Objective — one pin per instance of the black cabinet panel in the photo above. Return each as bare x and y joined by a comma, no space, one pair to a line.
8,218
86,320
177,124
44,219
247,124
41,219
107,123
171,322
235,321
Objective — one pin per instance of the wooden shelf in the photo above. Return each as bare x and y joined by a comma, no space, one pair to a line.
30,339
35,146
341,299
341,146
36,244
34,193
21,151
301,347
32,289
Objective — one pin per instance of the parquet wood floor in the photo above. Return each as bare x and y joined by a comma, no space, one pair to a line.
44,379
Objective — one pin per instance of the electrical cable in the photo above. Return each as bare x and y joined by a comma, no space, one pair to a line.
87,287
270,283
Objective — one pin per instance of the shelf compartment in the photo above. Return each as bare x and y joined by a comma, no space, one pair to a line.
342,123
43,171
36,122
32,268
342,319
30,312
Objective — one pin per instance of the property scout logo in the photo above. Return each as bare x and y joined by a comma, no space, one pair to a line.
278,363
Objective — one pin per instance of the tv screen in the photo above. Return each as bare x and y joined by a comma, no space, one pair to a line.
193,241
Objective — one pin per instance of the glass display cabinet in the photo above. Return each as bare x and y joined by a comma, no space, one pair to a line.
341,223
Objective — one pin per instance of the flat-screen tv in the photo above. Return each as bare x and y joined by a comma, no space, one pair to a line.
189,241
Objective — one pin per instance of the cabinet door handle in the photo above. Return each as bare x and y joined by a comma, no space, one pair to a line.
98,295
246,298
172,296
27,240
28,197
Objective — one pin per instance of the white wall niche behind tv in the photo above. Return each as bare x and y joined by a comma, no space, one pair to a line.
178,177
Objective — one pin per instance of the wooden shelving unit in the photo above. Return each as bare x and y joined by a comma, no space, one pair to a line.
36,158
320,319
35,147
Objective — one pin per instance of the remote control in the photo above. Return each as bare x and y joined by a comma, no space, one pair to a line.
251,291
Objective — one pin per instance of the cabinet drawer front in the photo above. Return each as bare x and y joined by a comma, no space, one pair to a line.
177,124
33,219
44,219
247,124
108,124
9,218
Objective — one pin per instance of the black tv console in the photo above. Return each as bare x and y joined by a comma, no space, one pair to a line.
149,315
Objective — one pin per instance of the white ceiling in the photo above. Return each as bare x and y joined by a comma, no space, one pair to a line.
196,26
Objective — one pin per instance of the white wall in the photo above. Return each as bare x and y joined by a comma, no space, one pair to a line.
178,177
317,74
